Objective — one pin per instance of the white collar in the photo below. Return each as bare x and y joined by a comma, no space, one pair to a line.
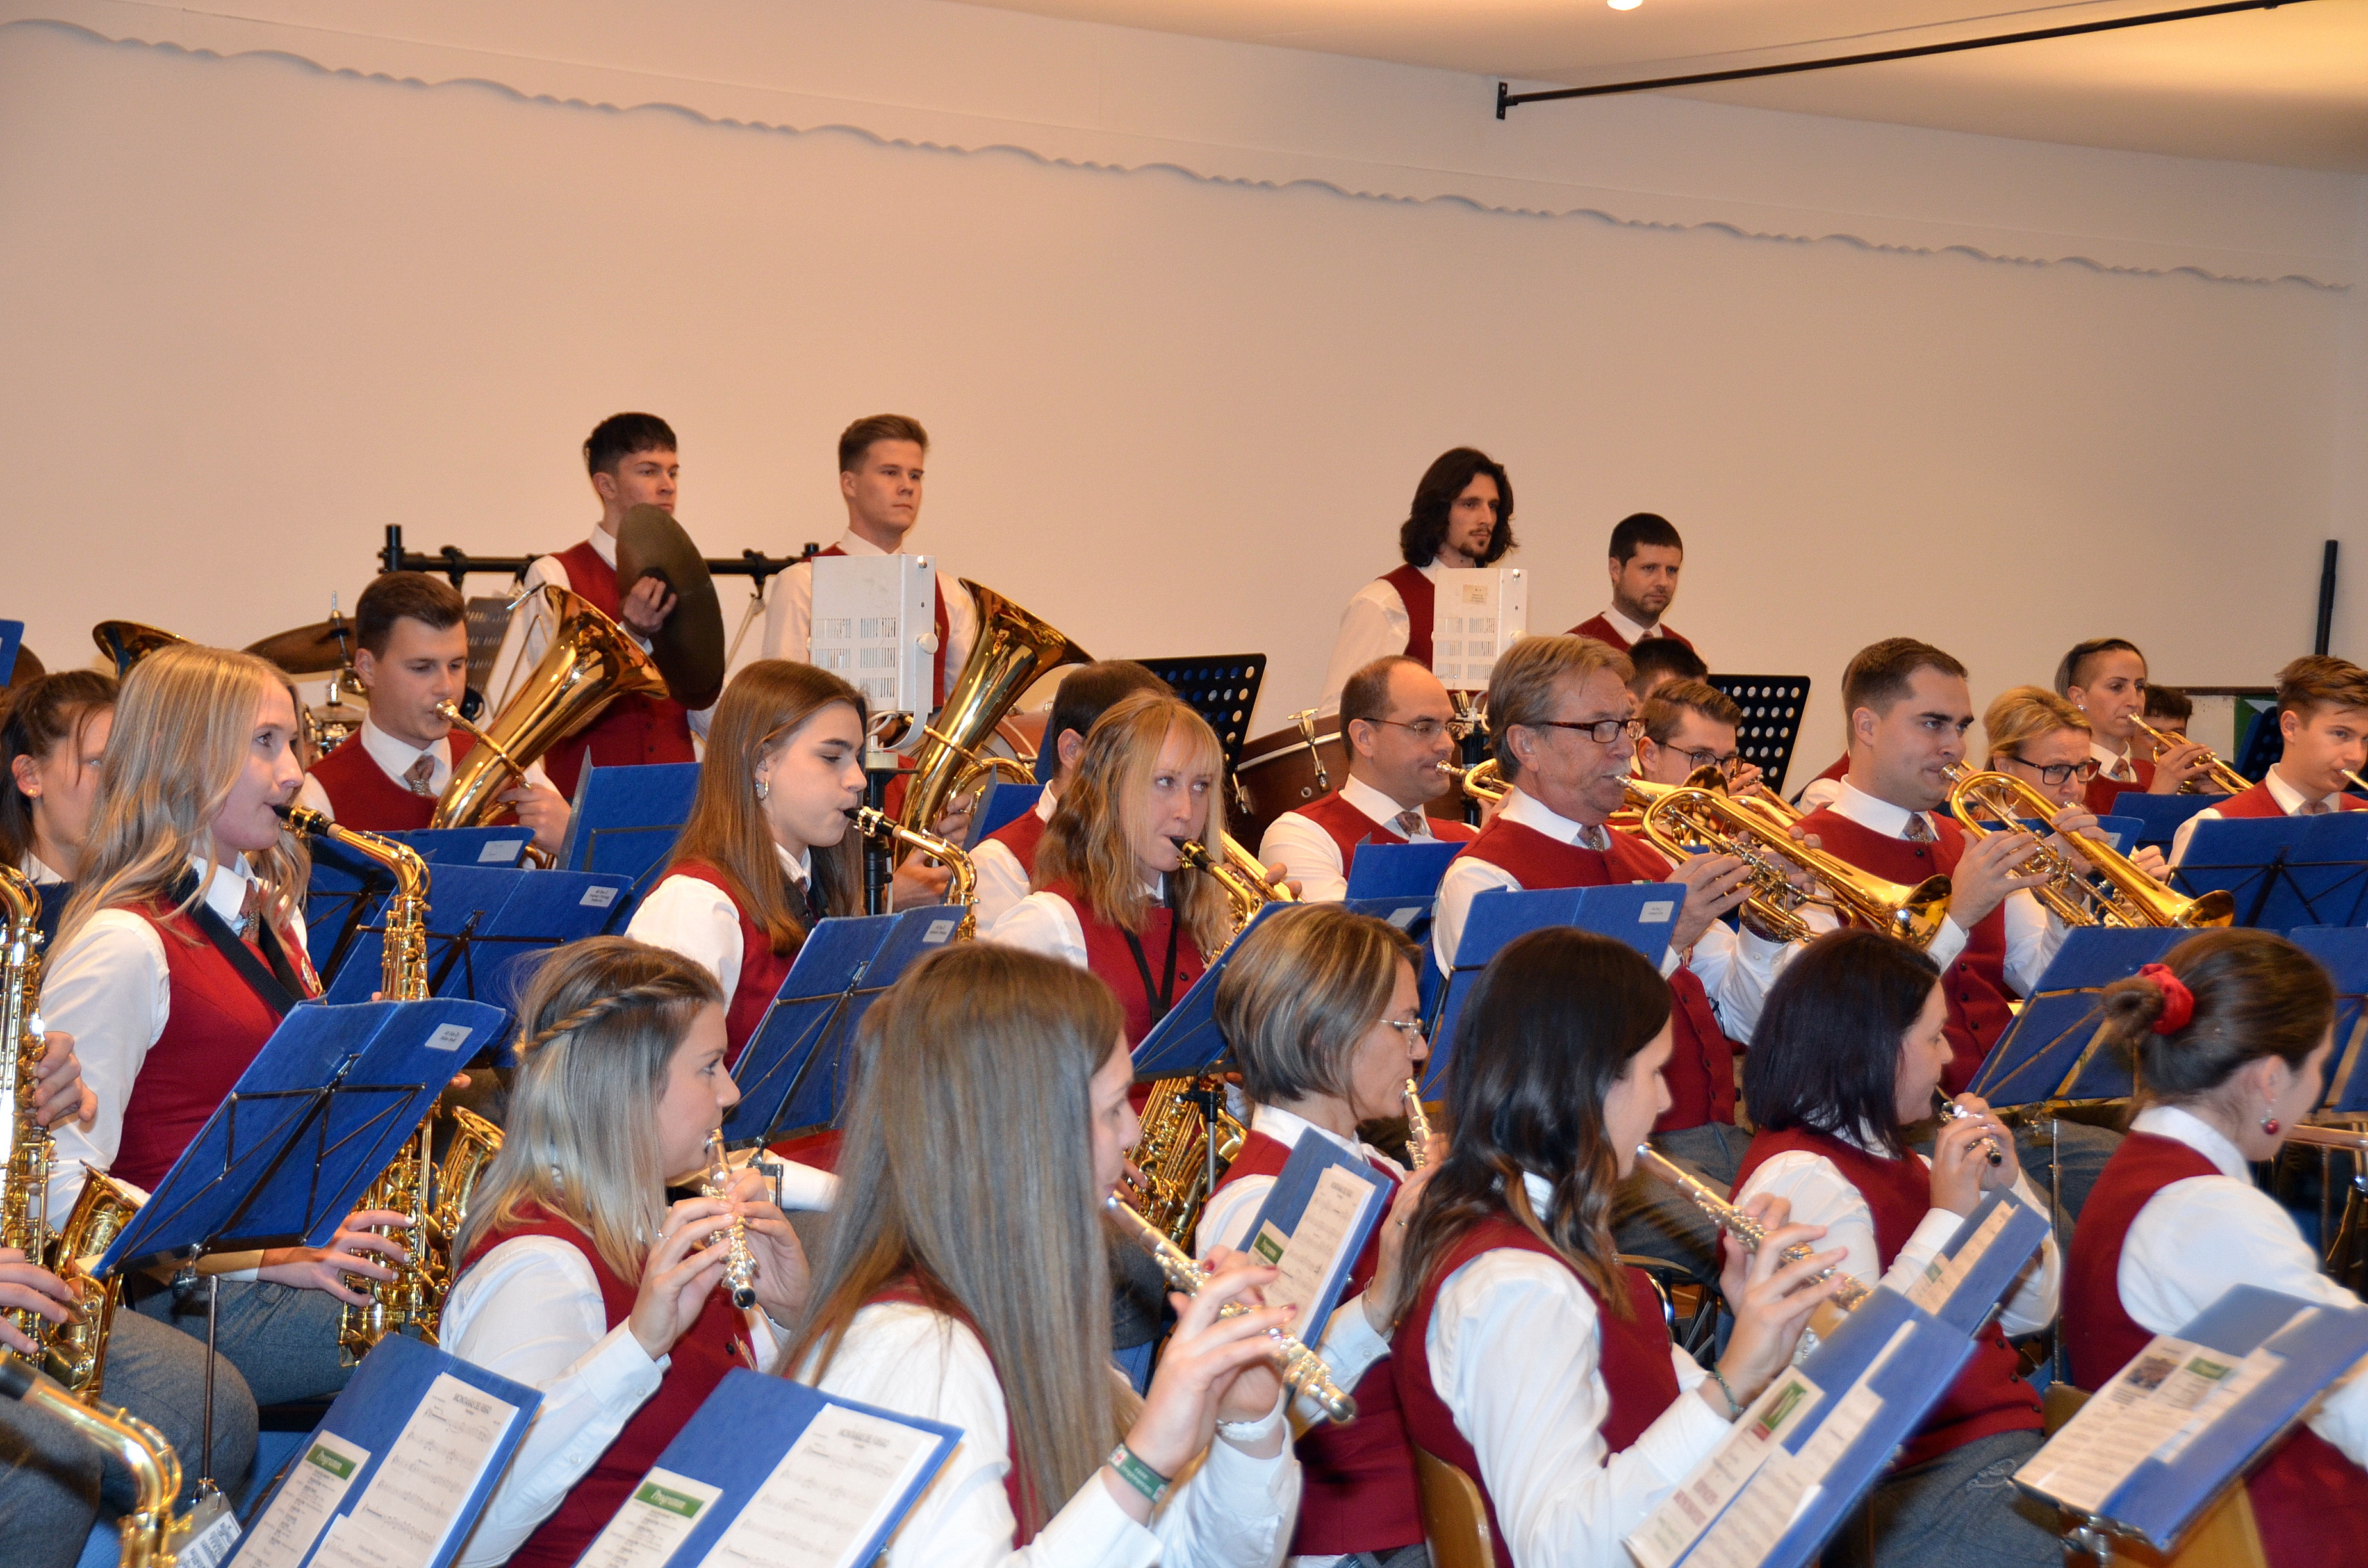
1375,805
1869,811
396,756
2186,1127
2290,799
226,894
2108,759
853,543
1284,1127
800,869
604,545
1439,563
39,872
1629,628
1526,809
1045,805
1541,1193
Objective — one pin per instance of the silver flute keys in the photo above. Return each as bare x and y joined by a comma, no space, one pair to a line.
1302,1373
1951,1112
1417,1125
1744,1228
739,1268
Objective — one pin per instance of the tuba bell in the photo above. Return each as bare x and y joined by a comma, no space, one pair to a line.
129,641
590,661
1013,649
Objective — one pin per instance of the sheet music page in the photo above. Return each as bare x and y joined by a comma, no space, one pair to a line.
2124,1422
1750,1528
417,1493
1945,1273
1331,1216
1757,1438
662,1512
300,1508
830,1492
1839,1429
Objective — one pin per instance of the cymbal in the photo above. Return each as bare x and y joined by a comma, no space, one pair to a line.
27,668
689,649
311,650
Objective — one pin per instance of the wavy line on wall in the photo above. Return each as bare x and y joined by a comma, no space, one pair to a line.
1050,160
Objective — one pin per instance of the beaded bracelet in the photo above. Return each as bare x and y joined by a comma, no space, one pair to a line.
1734,1406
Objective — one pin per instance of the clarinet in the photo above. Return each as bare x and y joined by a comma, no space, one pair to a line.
1302,1373
1742,1226
739,1268
1417,1125
1951,1112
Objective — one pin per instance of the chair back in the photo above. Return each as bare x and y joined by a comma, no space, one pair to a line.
1454,1515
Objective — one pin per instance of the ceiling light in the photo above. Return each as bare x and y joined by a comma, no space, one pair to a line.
1623,5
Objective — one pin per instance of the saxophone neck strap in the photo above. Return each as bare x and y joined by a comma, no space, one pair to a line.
276,987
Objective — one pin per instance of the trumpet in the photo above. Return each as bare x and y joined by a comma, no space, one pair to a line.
1482,781
1238,872
739,1267
2226,779
2130,899
1417,1125
1742,1226
881,828
1302,1373
1951,1112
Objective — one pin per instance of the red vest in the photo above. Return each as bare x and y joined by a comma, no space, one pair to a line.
363,795
2308,1497
631,729
911,1294
215,1026
1357,1491
1421,599
1989,1396
2257,802
1021,834
1839,768
1639,1378
715,1345
1975,984
1603,630
1109,957
2101,792
938,659
1349,827
761,969
1700,1073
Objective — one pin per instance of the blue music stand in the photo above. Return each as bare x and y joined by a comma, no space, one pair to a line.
1639,913
2158,816
1004,803
2283,871
626,820
12,637
309,1125
1398,870
347,888
1187,1038
2343,951
2050,1053
794,1072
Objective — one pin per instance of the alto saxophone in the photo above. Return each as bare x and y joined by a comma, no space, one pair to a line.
1743,1227
25,1178
149,1532
739,1268
881,828
1237,871
1181,1119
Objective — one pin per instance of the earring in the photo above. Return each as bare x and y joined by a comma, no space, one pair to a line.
763,788
2270,1124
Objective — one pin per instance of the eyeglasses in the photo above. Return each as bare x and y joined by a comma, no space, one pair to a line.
1428,730
1409,1031
1727,763
1602,731
2053,775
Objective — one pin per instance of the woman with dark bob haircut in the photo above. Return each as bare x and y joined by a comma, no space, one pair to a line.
1849,1049
1525,1355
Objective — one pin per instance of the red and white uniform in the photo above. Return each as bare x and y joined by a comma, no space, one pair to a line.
1392,614
789,614
1005,861
2273,797
1316,844
361,785
1623,633
1056,921
2115,773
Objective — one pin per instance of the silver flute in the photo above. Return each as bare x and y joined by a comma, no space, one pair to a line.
1417,1125
1951,1112
739,1267
1302,1373
1742,1226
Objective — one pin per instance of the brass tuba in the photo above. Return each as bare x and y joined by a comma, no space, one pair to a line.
2129,898
2225,778
1013,649
129,641
1237,871
883,829
590,661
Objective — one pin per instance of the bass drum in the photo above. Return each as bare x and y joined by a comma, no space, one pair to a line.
1280,772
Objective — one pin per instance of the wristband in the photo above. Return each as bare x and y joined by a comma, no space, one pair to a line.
1734,1406
1137,1474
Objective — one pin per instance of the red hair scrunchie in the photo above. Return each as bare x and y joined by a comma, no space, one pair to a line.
2177,1000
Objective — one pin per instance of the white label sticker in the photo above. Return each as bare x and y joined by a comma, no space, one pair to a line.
655,1520
449,1037
211,1545
598,898
1402,918
300,1508
1660,909
500,851
939,931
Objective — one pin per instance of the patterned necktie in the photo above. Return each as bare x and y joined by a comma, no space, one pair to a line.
1918,830
250,912
1409,825
1598,838
2316,808
418,775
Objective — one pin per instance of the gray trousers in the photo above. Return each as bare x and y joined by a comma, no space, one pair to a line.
54,1485
1652,1219
1958,1511
282,1339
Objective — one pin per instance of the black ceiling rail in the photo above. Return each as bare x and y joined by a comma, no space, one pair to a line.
1506,98
457,564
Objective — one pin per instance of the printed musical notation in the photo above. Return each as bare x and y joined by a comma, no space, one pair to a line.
417,1491
830,1492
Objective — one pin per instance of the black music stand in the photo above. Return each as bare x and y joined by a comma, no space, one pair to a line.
1773,706
1221,687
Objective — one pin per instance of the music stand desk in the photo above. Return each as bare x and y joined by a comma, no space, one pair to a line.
2283,871
626,820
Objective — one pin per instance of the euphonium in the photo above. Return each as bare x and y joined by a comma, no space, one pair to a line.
739,1266
1013,648
1172,1152
2226,779
1246,886
1742,1226
25,1178
1302,1373
881,828
2129,898
148,1532
1481,781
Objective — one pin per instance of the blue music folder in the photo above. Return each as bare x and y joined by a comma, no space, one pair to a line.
315,1117
626,820
12,637
1318,1168
775,1443
2283,871
2343,950
1187,1038
1003,804
411,1451
2158,816
1398,870
2050,1051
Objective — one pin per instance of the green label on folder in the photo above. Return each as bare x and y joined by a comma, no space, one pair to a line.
328,1459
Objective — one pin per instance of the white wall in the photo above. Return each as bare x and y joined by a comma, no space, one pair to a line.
1186,319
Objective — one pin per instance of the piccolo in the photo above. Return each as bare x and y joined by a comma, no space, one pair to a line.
1744,1228
739,1267
1417,1125
1302,1373
1951,1112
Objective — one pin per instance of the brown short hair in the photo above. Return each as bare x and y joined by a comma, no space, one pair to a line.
620,435
861,437
2317,680
1366,695
1522,687
1667,708
404,595
1306,986
1878,674
2022,714
2167,703
2256,995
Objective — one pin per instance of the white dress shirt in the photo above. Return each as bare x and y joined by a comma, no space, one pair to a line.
1736,968
109,988
395,758
1516,1353
1228,1510
2289,801
2033,934
2112,764
1817,794
1046,923
687,916
529,633
530,1310
1374,626
1001,880
1629,628
39,874
2195,1238
1821,1195
1313,856
789,611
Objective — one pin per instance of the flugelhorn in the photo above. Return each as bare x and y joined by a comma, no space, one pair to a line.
1480,782
1248,887
1951,1112
1013,649
1742,1226
1417,1125
2224,778
2129,898
1302,1373
881,828
739,1265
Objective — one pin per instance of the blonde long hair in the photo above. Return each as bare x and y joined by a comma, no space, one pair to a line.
968,1168
1090,841
184,724
599,1023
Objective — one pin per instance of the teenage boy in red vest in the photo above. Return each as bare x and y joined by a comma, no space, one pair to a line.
1462,516
1690,725
1646,556
2323,714
1396,715
412,653
631,461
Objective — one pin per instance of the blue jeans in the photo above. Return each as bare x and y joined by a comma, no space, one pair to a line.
1960,1510
282,1339
1653,1219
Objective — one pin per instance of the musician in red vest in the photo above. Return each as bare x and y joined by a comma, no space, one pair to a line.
633,462
1842,1073
2323,718
2231,1034
1525,1354
411,654
1646,556
180,952
1461,516
573,1274
2106,679
1004,862
1396,715
1324,1015
1690,725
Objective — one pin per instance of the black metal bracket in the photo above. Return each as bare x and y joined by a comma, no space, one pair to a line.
457,565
